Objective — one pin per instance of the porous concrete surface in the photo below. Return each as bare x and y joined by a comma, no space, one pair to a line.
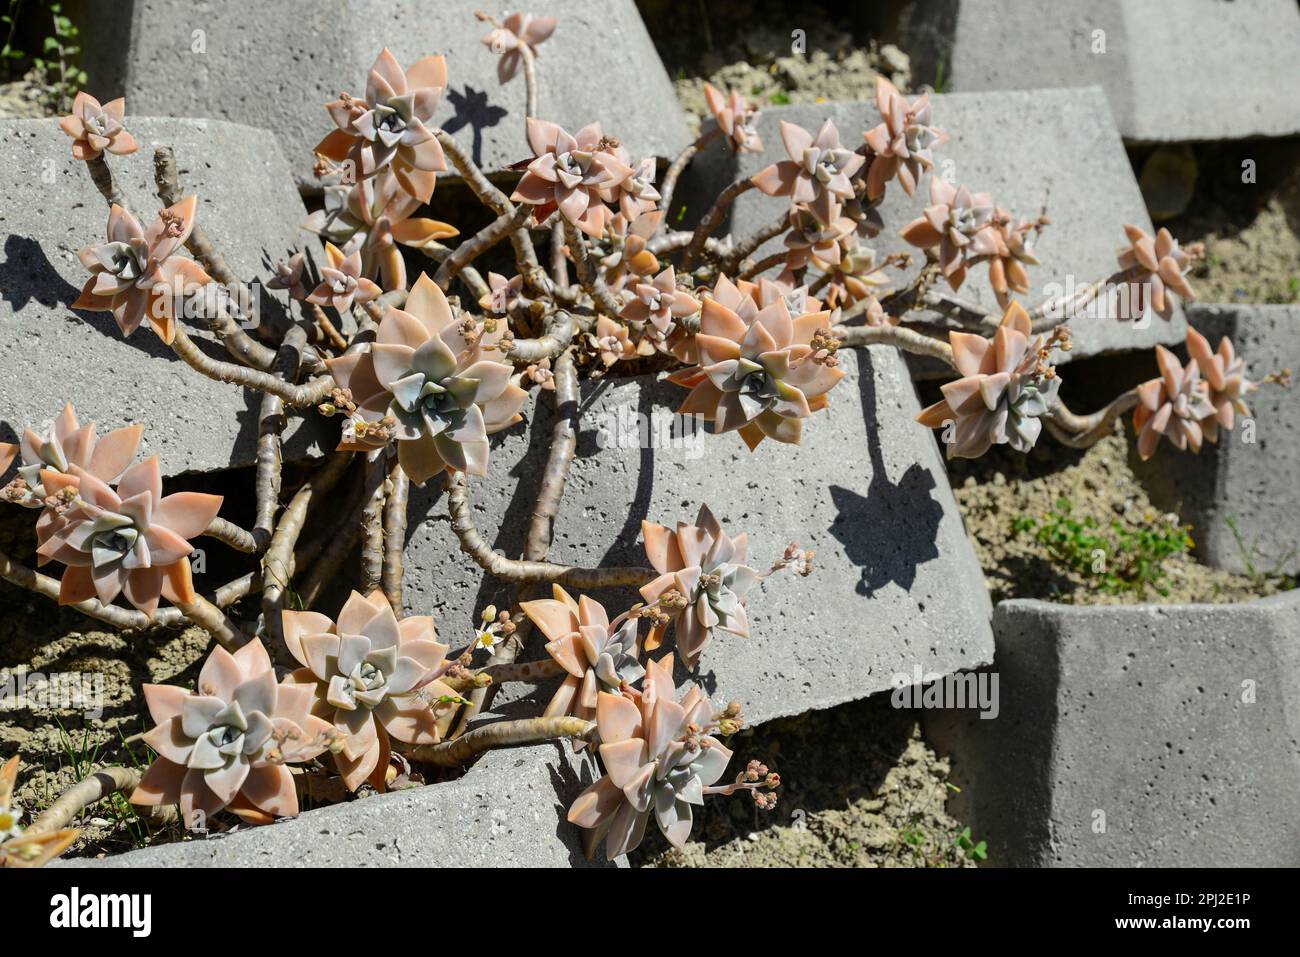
1136,735
1173,71
1250,476
1053,151
896,584
276,65
50,354
507,811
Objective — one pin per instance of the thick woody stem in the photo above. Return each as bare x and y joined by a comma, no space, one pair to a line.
474,545
562,327
713,220
526,671
395,533
372,526
499,203
564,442
479,243
228,533
211,618
530,78
278,562
559,264
327,328
502,734
102,176
588,275
1084,431
271,423
294,396
908,340
80,796
763,265
678,166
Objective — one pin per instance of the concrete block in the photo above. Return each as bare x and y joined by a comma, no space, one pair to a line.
50,355
507,811
1053,149
1138,735
896,583
1149,57
1249,477
276,65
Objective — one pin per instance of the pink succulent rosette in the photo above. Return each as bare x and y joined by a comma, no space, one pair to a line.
660,302
132,541
1003,393
226,744
1159,264
759,376
960,224
1173,405
658,758
903,144
341,282
371,677
95,129
736,117
442,393
388,129
1225,374
708,570
516,30
818,172
66,445
573,173
595,655
138,274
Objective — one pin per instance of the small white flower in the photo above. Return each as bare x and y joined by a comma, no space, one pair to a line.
9,818
488,641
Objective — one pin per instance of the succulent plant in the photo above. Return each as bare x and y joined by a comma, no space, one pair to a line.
658,756
95,128
341,282
812,240
289,276
759,376
515,30
503,294
1006,386
614,343
595,655
624,249
636,194
1160,265
736,117
818,172
903,144
374,217
660,302
388,128
572,173
437,391
1174,405
1225,374
371,676
960,224
1015,250
137,274
707,569
67,444
226,744
131,541
16,848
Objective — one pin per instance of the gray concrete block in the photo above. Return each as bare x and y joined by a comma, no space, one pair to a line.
1249,477
1149,57
1178,723
1050,148
896,582
276,65
50,355
507,811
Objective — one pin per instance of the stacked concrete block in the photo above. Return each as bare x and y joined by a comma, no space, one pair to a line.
1141,735
896,580
1249,478
1048,150
276,65
1150,58
50,354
